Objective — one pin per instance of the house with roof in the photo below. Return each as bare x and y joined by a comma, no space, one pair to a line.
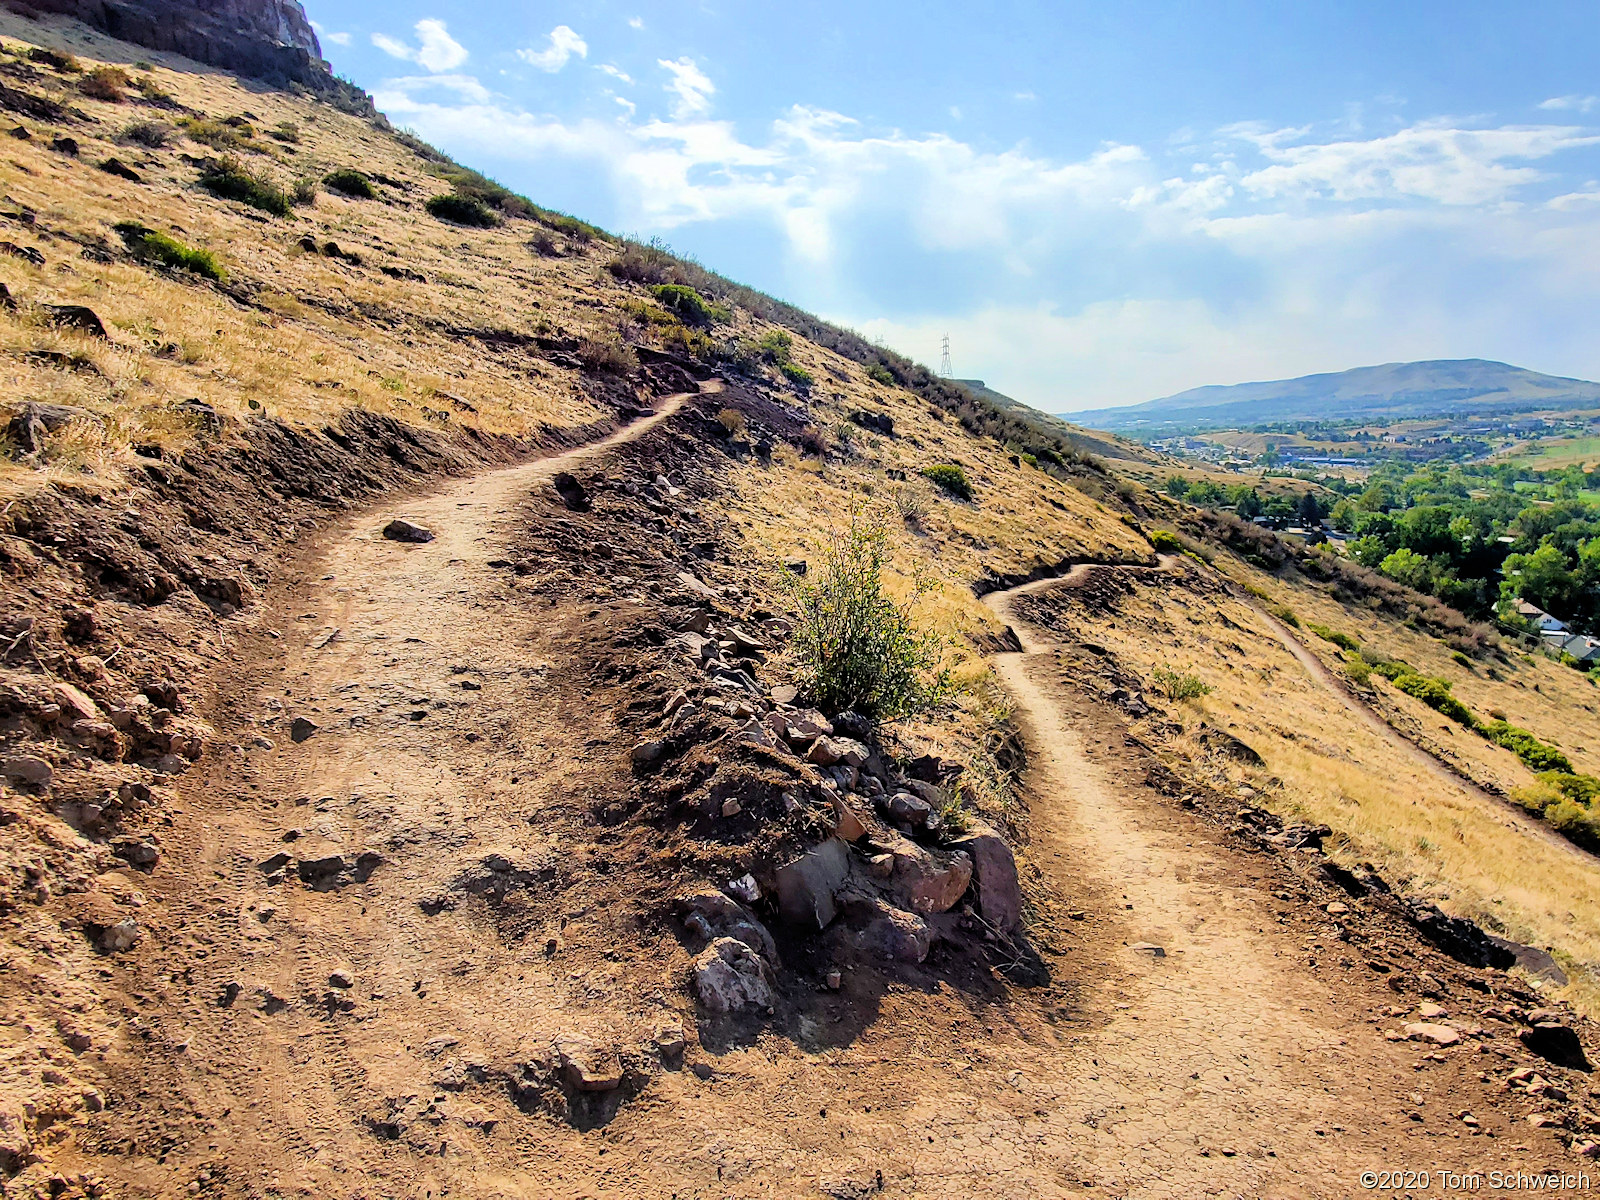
1541,621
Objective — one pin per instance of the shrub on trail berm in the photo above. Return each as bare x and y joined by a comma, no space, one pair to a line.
856,648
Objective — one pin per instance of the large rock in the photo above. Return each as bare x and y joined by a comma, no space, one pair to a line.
401,530
1555,1042
586,1065
895,934
731,977
29,769
928,881
713,914
1428,1031
806,886
832,752
994,870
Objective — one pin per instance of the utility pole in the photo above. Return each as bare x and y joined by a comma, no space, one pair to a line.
945,369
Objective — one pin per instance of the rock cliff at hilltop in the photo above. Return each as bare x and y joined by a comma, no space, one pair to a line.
266,39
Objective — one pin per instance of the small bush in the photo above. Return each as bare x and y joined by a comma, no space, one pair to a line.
105,83
732,420
1164,541
912,505
287,132
607,356
216,134
950,479
1357,669
148,245
1460,659
348,181
879,373
639,263
1174,686
1285,614
796,374
857,649
813,441
153,93
1342,640
692,341
153,134
303,192
689,305
775,346
1536,755
67,64
544,245
227,179
462,210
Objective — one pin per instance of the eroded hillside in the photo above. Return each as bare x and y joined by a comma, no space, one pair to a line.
493,850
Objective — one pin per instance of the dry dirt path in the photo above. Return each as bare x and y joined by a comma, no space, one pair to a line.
1226,1043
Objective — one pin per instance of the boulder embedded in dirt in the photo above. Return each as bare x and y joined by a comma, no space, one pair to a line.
29,426
994,870
832,752
75,316
29,769
400,530
586,1065
1428,1031
929,881
853,725
647,754
1458,937
731,977
1557,1043
807,885
807,726
712,914
905,809
571,492
301,728
895,934
847,826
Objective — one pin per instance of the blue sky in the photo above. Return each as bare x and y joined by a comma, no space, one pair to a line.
1099,203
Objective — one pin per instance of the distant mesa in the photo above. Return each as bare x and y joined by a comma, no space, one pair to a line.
1393,391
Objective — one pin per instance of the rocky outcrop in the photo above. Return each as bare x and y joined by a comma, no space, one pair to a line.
271,40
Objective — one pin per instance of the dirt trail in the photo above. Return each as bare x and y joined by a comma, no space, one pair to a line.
1229,1044
1227,1067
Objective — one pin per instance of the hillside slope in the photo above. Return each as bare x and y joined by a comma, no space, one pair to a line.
1393,391
512,861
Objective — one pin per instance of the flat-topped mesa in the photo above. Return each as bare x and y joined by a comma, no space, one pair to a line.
271,40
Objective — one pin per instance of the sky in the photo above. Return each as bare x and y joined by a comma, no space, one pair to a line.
1099,203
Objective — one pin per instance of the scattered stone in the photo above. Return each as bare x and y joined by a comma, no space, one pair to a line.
1438,1035
795,566
731,808
29,769
646,754
731,977
115,166
807,885
1431,1012
847,826
745,889
136,852
76,316
301,728
831,752
905,809
712,914
895,934
571,492
65,145
123,936
342,980
785,693
1555,1042
318,870
1336,908
276,864
670,1042
401,530
26,253
834,980
677,701
1150,948
586,1065
929,881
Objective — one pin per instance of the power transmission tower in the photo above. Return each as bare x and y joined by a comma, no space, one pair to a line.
945,369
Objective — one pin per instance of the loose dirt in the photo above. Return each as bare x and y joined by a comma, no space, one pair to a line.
363,1033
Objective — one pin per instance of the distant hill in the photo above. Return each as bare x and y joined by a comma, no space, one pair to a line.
1393,391
1088,440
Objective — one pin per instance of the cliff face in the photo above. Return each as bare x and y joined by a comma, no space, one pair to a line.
270,40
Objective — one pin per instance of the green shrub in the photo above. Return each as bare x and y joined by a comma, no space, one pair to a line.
1435,693
1175,686
1165,541
796,374
152,134
462,210
689,305
607,356
1285,614
105,83
1460,659
287,132
227,179
775,346
857,649
1033,461
1357,669
303,192
950,479
1537,755
148,245
219,135
1342,640
348,181
879,373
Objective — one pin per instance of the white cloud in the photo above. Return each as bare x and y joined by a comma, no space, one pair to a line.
564,43
1572,103
339,39
690,85
615,72
437,51
635,22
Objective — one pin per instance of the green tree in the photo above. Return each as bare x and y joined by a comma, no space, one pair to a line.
1543,578
1408,567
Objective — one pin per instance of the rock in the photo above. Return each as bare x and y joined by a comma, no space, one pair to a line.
1458,937
65,145
829,752
756,732
905,809
400,530
1438,1035
29,769
115,166
677,701
75,316
1336,908
1536,962
29,426
807,885
1431,1012
1556,1043
795,566
929,881
136,852
571,492
847,826
935,796
647,754
806,727
785,693
712,915
586,1065
895,934
342,980
994,870
670,1042
731,977
745,889
1150,948
695,587
834,980
121,937
321,870
301,728
853,725
275,864
928,768
26,253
